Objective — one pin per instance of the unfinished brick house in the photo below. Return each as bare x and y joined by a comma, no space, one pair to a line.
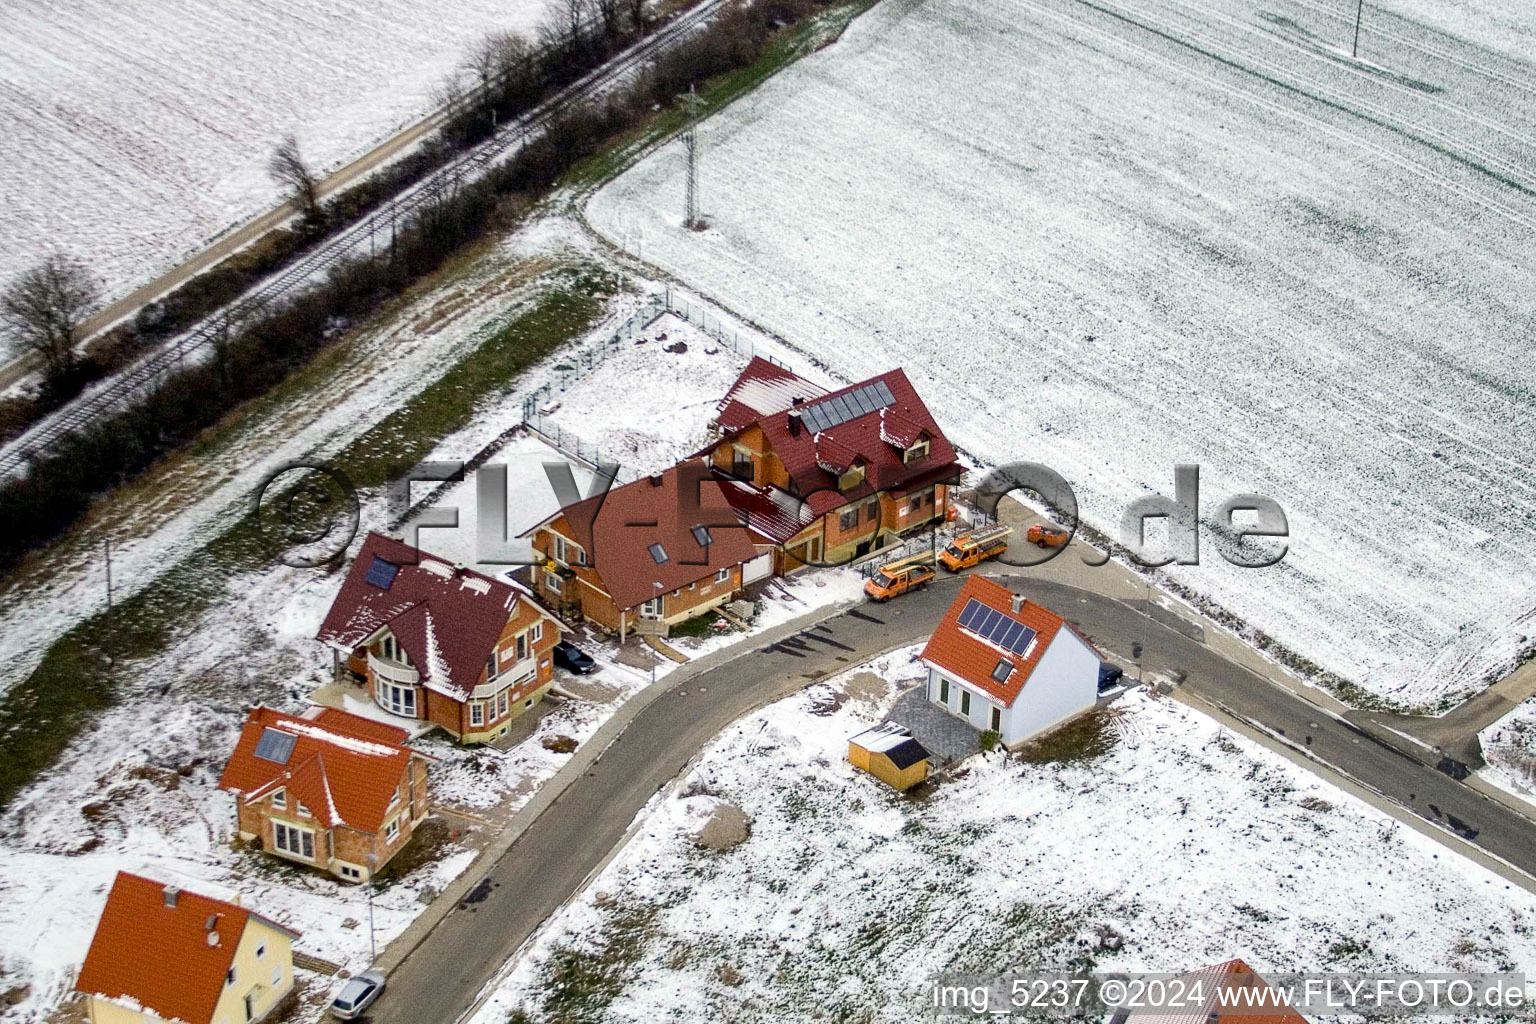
330,789
828,477
665,548
440,643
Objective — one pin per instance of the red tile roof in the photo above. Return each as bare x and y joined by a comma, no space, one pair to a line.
970,658
447,618
344,768
1218,1003
763,388
763,396
618,528
161,958
771,512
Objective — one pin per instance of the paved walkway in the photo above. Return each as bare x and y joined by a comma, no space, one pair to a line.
947,737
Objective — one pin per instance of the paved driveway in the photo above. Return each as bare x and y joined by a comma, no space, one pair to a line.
947,737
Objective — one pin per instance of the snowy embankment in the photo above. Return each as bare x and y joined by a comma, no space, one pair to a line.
1180,846
1113,242
131,133
1509,750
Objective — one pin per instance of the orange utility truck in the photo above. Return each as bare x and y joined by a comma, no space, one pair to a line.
975,547
897,578
1047,536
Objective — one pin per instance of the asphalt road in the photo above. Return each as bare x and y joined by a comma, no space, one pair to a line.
445,974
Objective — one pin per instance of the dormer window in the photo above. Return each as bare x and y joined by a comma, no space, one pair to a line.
851,479
917,453
392,651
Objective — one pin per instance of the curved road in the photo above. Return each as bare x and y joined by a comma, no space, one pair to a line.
444,976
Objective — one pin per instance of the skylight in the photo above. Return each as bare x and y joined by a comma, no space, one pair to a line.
658,553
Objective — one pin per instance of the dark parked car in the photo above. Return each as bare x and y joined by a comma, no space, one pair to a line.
357,995
1109,676
573,659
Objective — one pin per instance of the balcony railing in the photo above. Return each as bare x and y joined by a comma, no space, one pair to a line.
392,671
506,677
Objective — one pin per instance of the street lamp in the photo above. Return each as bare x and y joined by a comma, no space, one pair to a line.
373,950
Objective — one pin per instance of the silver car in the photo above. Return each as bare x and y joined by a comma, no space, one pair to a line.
357,995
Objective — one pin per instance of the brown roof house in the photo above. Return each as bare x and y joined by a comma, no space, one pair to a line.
1007,664
1227,993
160,954
331,789
440,643
664,548
826,477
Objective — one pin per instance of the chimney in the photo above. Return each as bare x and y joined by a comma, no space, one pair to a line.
171,892
794,423
1016,603
655,479
796,400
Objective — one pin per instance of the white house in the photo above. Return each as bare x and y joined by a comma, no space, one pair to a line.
1009,665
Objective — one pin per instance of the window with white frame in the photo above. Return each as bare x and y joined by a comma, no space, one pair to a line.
552,581
280,799
394,798
722,575
490,667
501,702
651,609
476,713
522,646
537,632
917,453
277,977
392,830
392,651
303,810
299,842
261,951
398,700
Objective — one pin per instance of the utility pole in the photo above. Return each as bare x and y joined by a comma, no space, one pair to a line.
106,545
691,143
1354,51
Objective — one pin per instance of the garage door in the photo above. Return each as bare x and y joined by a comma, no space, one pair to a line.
758,568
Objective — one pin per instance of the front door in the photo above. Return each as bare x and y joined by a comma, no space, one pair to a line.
997,719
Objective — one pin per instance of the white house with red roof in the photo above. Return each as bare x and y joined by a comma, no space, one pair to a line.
330,789
825,477
440,643
1007,664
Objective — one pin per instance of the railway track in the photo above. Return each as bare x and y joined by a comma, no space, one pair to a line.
363,235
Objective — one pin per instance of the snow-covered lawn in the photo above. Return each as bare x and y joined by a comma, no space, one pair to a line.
1189,844
132,131
1509,750
1115,238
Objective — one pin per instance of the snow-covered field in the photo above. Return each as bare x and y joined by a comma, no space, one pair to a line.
1169,232
1190,845
132,131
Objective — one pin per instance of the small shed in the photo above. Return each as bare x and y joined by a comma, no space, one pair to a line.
890,754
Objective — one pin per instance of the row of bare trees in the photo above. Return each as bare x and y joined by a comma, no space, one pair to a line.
260,353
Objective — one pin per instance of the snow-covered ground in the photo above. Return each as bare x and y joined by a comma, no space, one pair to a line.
1189,844
133,131
138,790
1167,232
1509,752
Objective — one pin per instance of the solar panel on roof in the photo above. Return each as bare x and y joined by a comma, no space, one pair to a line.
381,573
835,411
275,746
1003,630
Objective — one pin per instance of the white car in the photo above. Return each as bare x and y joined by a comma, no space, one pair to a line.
357,995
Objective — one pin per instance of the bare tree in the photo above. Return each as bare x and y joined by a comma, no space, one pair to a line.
567,27
637,15
288,169
610,12
44,308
